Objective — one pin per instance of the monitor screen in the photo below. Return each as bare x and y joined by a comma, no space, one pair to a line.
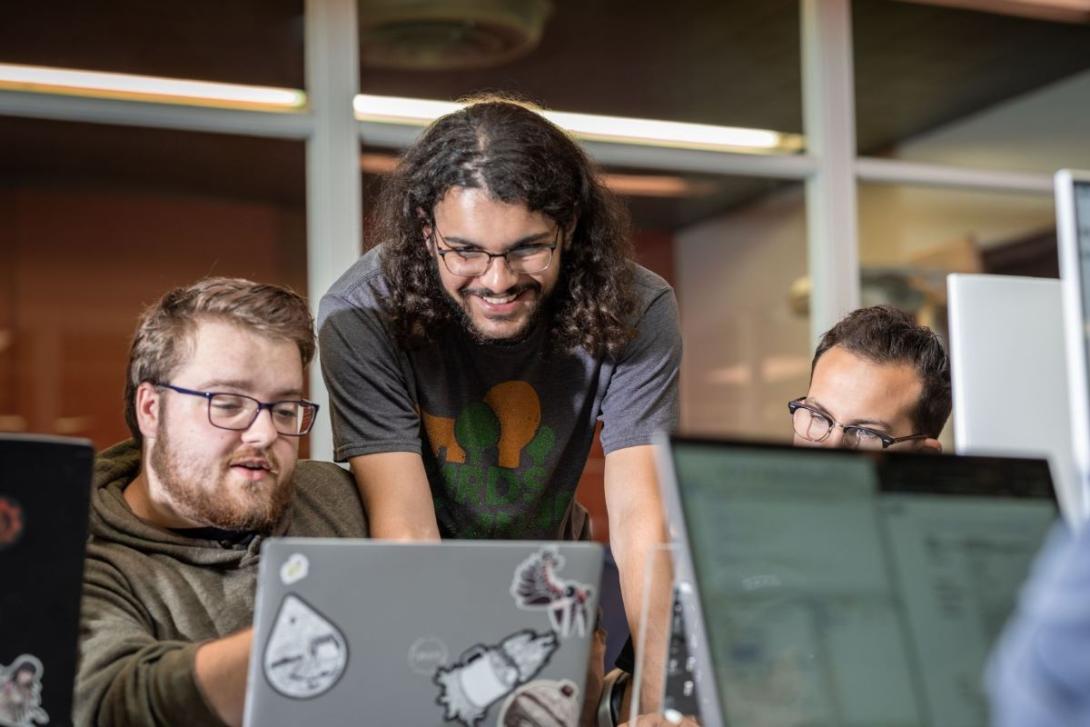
838,589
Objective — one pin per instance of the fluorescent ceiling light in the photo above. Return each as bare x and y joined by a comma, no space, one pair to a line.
617,129
124,86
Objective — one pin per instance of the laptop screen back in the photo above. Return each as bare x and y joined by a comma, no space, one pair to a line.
842,589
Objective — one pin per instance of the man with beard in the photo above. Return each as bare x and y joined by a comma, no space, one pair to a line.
470,356
214,400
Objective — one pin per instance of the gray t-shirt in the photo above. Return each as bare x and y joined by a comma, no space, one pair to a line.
504,430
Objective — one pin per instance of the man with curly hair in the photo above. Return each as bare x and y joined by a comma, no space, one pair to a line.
470,355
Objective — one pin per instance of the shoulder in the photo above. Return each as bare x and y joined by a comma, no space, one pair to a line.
649,288
327,502
361,286
314,477
655,300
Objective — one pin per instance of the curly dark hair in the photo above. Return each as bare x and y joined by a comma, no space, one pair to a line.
884,334
512,152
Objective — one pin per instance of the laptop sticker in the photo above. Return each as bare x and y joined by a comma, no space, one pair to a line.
21,693
295,569
306,653
11,522
486,674
537,586
544,703
427,654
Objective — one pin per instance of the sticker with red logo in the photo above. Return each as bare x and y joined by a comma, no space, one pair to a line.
11,522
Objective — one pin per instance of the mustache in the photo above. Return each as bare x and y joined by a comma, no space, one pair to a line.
513,290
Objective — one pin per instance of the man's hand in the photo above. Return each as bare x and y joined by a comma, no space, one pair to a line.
396,496
220,670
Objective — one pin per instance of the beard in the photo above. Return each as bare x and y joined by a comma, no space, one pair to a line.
202,494
459,307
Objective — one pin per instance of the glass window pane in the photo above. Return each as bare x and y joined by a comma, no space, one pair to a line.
243,41
102,221
741,281
969,88
727,63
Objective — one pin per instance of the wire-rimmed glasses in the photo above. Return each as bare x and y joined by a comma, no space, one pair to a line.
471,262
238,412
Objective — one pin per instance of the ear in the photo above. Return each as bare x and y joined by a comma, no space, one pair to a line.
929,446
148,400
569,233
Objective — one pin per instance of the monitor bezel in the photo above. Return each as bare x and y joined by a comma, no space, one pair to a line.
684,569
1075,319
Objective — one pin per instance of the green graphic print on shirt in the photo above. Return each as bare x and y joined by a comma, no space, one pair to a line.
493,458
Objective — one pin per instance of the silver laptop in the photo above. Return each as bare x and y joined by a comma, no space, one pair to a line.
1008,365
825,587
1073,236
459,633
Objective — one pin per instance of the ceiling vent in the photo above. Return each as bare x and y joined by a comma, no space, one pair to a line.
440,35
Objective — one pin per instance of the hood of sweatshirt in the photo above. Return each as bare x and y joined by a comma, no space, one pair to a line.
113,521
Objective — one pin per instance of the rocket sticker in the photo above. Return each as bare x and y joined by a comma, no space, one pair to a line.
537,586
306,653
486,674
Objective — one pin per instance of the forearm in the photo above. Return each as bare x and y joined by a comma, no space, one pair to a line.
220,671
396,494
153,685
637,531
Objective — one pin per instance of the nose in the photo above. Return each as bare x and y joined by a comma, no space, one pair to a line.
262,432
498,276
835,438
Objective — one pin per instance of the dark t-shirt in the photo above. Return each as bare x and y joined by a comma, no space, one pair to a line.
504,430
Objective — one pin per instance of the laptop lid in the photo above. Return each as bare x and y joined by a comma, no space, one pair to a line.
1008,366
1073,238
834,587
460,632
45,486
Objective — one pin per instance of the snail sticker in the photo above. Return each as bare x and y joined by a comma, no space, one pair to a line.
543,703
306,653
486,674
11,522
536,585
21,693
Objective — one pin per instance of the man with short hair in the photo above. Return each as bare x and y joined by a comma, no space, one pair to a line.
214,400
877,381
470,355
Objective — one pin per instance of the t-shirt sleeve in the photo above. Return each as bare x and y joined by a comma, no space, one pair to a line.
373,408
642,396
126,676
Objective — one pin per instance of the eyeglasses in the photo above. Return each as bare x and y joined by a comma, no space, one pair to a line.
238,412
813,426
470,263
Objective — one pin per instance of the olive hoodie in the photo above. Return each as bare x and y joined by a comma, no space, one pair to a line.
151,596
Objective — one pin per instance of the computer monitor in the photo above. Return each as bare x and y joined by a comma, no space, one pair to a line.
841,588
1008,366
1073,236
